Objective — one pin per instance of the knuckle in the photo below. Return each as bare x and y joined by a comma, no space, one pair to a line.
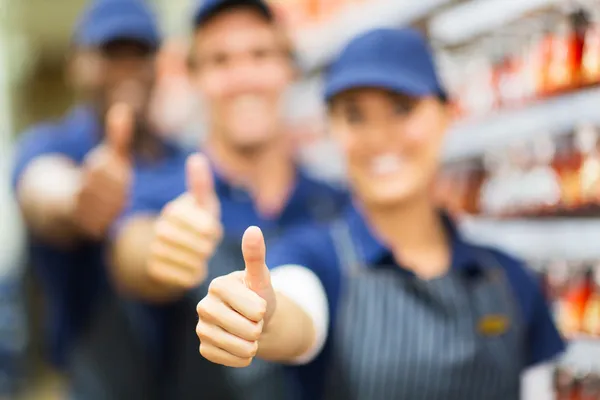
205,351
244,362
251,350
203,309
217,286
254,333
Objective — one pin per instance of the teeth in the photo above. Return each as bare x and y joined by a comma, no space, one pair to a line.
386,164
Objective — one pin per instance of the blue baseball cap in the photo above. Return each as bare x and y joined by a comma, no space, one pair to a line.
398,60
207,9
105,21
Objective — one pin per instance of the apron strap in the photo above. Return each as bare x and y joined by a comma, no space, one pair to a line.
345,247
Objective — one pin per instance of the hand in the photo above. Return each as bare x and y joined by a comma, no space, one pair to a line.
106,176
187,232
237,308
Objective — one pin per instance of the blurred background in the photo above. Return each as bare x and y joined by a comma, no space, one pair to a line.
521,165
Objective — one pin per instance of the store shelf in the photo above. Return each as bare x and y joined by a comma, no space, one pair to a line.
473,18
317,46
554,116
575,239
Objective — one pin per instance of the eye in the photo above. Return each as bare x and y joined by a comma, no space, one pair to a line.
402,107
353,114
261,54
219,59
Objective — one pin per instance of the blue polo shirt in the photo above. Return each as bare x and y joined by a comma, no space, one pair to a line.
70,279
314,248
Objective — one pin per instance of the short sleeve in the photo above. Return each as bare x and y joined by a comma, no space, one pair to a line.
38,141
544,340
154,186
310,247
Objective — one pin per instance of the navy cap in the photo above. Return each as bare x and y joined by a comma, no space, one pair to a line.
104,21
398,60
207,9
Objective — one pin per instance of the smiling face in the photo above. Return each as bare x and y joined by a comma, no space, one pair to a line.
391,142
243,71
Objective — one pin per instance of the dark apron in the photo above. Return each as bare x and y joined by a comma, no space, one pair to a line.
400,337
109,362
196,378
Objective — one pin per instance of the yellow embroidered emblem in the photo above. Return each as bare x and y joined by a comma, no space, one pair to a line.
493,325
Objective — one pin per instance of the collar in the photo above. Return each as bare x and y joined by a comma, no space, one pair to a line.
299,207
373,252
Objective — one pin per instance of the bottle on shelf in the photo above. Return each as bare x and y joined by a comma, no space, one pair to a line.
566,385
591,318
574,300
543,182
590,64
587,143
567,164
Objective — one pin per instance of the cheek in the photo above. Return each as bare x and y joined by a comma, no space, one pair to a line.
418,131
213,85
275,78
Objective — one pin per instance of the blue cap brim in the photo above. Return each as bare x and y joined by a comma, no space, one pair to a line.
210,9
402,83
121,28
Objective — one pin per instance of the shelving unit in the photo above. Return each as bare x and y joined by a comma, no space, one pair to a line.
533,239
316,46
554,116
473,18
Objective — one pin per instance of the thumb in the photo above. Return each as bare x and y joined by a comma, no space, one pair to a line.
119,128
199,180
253,248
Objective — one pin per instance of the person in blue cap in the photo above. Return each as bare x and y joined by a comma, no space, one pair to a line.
72,177
171,240
389,301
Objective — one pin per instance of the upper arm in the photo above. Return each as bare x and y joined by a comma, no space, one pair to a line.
543,341
313,249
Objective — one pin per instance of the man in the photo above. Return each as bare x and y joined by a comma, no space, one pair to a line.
243,67
72,177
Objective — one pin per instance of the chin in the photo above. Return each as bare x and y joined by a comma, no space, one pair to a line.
389,196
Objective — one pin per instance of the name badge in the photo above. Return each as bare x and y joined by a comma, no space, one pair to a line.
493,325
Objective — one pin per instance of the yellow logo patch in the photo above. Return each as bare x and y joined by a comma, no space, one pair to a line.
493,325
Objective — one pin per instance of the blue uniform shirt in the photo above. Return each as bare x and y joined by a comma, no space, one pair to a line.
70,279
314,248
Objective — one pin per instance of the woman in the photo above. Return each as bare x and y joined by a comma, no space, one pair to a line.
390,302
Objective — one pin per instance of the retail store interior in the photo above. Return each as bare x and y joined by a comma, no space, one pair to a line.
521,162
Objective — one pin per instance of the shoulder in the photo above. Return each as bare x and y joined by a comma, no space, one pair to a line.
168,174
309,245
64,137
522,279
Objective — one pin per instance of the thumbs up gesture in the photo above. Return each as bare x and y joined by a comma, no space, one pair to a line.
237,308
187,232
106,176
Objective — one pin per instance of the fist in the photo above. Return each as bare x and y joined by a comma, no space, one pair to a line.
187,232
106,176
237,308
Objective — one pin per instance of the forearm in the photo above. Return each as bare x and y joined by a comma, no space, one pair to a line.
129,257
289,334
298,329
46,194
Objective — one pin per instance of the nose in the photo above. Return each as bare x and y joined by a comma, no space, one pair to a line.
245,77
